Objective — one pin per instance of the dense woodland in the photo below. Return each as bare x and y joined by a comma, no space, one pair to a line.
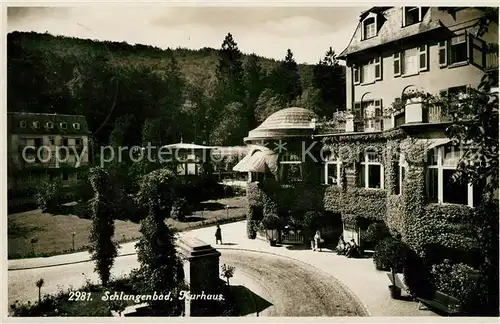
134,94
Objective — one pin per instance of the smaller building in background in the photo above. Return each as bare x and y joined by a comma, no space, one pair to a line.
45,147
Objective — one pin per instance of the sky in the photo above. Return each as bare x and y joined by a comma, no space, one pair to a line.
266,31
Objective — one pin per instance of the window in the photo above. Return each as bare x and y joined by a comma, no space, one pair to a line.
413,15
372,71
65,142
372,111
371,173
443,53
78,141
65,176
22,124
356,74
52,141
369,28
332,171
290,168
411,62
458,49
76,126
63,125
357,110
36,124
397,64
49,125
440,186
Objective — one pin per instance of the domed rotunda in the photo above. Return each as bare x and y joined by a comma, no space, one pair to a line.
285,123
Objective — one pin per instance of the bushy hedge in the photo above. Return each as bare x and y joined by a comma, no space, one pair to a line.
49,197
460,281
180,209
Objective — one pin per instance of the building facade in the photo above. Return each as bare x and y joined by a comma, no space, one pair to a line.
394,167
45,147
397,50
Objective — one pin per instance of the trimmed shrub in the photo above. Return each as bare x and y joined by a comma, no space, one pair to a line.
390,254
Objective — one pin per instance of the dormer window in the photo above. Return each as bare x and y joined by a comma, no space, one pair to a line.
22,124
63,125
49,125
369,26
36,124
76,126
413,15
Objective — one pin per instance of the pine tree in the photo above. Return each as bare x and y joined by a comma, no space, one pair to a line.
286,79
254,85
230,71
329,78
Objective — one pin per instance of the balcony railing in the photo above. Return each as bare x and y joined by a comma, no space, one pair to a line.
437,115
491,61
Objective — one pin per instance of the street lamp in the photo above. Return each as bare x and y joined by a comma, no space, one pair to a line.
227,211
73,235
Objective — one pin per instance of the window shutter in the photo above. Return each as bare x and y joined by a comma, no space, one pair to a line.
476,51
397,64
423,58
378,68
356,71
443,53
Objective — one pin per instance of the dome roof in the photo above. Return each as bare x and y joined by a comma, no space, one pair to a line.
293,121
293,117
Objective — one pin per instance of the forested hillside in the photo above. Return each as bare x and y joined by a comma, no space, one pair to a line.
132,94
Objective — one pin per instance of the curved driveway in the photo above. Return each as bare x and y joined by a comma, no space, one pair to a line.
286,287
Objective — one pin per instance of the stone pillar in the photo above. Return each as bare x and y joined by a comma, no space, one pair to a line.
349,123
414,111
201,269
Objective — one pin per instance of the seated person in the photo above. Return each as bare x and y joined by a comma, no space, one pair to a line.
353,249
341,246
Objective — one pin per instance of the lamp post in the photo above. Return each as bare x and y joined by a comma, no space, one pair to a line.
227,211
73,236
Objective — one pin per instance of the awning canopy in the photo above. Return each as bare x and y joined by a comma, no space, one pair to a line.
256,161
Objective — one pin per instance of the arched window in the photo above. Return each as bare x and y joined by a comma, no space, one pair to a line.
440,187
371,173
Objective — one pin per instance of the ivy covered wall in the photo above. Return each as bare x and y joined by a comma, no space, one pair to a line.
406,213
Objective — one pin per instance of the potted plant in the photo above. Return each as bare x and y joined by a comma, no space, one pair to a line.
396,258
271,224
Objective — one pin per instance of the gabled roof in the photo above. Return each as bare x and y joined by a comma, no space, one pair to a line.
15,121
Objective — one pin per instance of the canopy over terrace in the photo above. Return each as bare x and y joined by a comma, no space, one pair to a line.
259,159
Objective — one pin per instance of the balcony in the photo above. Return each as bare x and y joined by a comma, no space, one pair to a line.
437,115
491,61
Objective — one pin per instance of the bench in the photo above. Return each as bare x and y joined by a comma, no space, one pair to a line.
442,302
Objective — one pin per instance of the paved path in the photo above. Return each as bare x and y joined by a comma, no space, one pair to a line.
357,275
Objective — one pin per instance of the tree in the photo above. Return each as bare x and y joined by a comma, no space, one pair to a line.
160,265
267,104
232,127
230,71
39,285
103,249
254,85
329,79
286,79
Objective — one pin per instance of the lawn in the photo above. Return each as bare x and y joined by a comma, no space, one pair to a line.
53,233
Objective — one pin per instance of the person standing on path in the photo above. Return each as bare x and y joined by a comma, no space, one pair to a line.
218,235
317,241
